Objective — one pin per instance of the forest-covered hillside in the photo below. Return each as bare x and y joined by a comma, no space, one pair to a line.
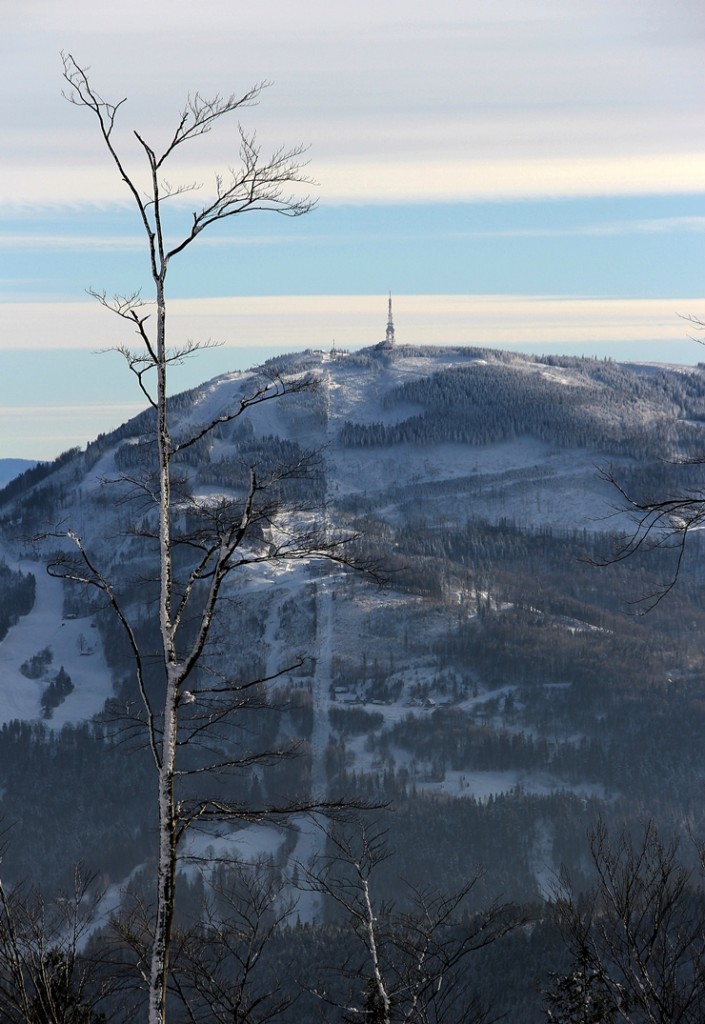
498,695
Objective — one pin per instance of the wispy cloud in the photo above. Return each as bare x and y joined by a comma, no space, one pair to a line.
70,412
367,178
82,242
299,322
401,101
88,241
650,226
435,180
42,431
121,243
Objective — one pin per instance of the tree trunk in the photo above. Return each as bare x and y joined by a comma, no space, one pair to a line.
167,823
166,883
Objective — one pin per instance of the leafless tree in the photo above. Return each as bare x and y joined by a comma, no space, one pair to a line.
228,535
221,973
411,964
661,523
638,940
45,976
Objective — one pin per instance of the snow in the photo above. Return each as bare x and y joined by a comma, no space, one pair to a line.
45,626
525,480
541,861
483,785
532,482
250,845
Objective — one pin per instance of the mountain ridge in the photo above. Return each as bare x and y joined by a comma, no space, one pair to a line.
11,468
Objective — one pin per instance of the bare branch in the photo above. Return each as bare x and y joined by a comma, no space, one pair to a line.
274,387
638,937
414,960
659,524
90,575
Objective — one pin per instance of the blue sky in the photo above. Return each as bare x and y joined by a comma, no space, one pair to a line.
528,174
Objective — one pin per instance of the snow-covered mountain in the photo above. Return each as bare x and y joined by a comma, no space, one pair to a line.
499,685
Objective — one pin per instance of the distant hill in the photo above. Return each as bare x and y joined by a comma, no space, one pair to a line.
10,468
500,692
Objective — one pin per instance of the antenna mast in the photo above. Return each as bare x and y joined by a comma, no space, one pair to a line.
389,337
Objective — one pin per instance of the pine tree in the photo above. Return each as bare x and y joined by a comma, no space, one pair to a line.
580,997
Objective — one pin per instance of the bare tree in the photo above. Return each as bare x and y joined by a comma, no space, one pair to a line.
660,523
638,940
221,969
45,976
411,966
227,535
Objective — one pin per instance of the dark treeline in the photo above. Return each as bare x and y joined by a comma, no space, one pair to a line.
611,409
34,475
71,796
17,590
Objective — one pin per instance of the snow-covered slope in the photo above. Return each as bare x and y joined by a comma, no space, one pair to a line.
75,646
496,661
406,435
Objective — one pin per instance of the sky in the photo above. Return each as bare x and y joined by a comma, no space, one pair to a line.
526,175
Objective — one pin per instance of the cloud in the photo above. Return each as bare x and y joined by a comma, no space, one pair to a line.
650,226
71,242
41,432
121,243
411,178
401,100
292,323
69,412
370,180
566,177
